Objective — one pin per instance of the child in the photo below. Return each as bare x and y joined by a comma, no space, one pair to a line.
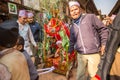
32,70
10,58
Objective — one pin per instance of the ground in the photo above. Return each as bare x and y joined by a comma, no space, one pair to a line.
56,76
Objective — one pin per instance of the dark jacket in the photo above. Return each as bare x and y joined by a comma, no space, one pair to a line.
36,29
111,48
88,35
32,70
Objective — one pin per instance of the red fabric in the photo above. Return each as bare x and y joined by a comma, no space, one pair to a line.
55,64
57,28
66,29
57,36
98,77
48,31
53,22
53,26
72,56
53,45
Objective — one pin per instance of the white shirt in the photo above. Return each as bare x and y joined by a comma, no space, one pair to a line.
25,32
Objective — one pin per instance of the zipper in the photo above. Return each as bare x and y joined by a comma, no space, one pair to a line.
82,41
81,38
84,50
96,43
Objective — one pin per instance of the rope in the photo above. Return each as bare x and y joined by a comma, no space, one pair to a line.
45,70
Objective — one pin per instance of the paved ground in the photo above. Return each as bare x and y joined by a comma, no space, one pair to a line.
55,76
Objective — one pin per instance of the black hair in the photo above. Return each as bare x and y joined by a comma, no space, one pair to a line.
21,42
9,33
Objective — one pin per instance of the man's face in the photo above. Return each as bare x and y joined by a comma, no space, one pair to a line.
23,19
75,12
30,19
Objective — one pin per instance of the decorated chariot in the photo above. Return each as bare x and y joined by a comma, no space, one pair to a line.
57,31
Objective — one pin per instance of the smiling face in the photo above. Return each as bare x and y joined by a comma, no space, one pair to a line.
75,11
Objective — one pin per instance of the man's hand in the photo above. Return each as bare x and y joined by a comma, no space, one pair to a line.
36,47
102,49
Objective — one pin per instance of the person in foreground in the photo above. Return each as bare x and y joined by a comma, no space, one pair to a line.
88,36
32,69
108,68
14,65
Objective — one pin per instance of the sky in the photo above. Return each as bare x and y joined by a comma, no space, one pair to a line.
105,5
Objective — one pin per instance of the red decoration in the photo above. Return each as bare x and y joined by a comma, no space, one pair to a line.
72,56
98,77
53,27
66,29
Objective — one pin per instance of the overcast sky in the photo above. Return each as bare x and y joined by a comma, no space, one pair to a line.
105,5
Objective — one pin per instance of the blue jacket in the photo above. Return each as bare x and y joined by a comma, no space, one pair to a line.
88,35
36,29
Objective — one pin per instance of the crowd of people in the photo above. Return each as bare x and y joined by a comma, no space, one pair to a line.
96,42
19,36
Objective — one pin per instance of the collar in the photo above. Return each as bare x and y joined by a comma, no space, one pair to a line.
3,51
77,20
33,23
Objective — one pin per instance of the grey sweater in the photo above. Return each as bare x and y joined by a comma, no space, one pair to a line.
88,35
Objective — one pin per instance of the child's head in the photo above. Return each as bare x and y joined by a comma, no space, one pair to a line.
20,44
59,43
